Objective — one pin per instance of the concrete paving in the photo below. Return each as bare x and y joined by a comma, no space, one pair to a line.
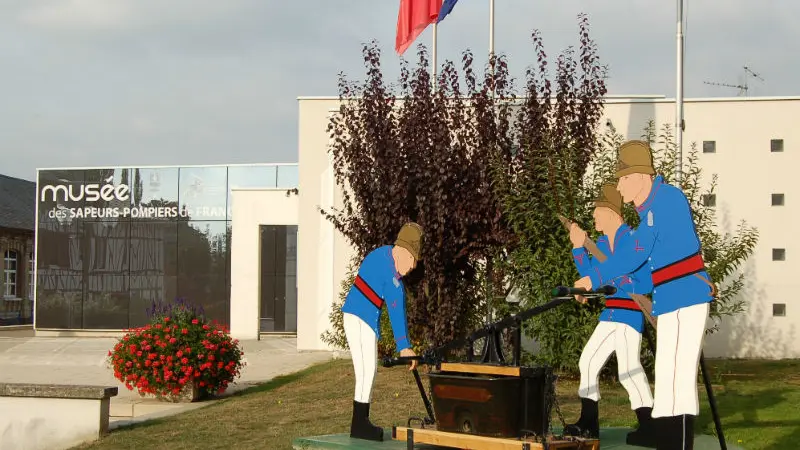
40,360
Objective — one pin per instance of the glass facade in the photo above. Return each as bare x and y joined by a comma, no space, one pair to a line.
112,241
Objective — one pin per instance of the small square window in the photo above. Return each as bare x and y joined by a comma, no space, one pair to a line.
779,310
709,146
777,199
776,145
710,200
779,254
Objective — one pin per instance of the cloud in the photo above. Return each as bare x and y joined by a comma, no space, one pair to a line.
105,82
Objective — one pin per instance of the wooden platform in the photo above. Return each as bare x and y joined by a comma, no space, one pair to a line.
610,438
473,442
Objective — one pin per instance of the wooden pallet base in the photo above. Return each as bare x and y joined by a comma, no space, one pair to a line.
473,442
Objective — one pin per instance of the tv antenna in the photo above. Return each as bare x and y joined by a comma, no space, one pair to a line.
744,87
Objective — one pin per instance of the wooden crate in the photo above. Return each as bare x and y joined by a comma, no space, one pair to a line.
474,442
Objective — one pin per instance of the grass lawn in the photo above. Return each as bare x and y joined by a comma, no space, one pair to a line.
759,402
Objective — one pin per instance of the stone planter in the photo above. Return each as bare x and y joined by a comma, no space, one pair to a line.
191,393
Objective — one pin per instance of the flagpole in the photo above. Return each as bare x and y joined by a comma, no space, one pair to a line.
679,94
491,28
433,54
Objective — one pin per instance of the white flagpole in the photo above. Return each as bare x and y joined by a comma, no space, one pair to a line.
491,27
679,94
433,54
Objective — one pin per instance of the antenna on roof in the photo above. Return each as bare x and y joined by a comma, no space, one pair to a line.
744,87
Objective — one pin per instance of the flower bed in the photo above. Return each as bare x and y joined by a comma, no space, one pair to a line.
178,351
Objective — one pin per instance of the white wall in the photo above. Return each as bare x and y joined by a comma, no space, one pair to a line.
748,174
251,208
28,423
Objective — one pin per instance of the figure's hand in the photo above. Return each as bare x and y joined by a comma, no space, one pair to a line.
408,353
584,283
577,236
581,299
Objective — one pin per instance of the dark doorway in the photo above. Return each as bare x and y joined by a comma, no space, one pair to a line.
278,283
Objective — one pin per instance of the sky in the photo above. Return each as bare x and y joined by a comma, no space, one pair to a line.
179,82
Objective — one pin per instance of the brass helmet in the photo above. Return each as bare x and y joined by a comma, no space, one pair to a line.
634,157
410,238
610,198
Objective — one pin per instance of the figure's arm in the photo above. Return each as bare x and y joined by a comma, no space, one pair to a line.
583,262
396,306
626,258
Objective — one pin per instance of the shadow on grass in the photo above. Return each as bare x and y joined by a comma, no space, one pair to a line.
267,386
740,412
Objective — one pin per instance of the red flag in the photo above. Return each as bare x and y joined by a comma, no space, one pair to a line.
414,17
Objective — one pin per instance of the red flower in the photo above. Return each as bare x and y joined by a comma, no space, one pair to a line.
195,321
185,331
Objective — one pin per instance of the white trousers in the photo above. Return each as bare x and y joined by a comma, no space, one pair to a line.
364,350
680,340
610,337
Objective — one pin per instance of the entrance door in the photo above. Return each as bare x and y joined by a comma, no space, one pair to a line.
278,278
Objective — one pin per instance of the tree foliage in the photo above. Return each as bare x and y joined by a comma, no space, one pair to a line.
424,155
486,172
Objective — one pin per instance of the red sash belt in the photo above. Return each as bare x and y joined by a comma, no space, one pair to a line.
367,291
622,303
679,269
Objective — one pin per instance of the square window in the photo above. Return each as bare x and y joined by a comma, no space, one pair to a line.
779,310
777,199
710,200
709,146
779,254
776,145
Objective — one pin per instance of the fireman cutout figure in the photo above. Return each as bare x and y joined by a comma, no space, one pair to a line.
378,283
666,244
620,326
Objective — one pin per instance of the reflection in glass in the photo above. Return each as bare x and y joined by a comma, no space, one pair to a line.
278,278
288,176
105,247
203,192
103,272
156,186
106,303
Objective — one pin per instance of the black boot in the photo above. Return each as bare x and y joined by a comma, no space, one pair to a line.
588,425
361,427
675,433
645,435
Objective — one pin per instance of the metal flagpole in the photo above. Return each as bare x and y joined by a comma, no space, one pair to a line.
491,27
679,125
433,54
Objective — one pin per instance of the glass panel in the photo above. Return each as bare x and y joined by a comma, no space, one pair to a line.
107,302
154,248
202,266
105,247
59,301
148,290
278,279
202,248
60,193
155,195
288,176
203,192
107,194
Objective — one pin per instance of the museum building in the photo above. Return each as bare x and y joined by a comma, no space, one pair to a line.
113,242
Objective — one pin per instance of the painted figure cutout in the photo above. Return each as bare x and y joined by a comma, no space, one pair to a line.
669,247
378,282
620,325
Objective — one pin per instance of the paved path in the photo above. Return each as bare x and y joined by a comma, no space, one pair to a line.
25,359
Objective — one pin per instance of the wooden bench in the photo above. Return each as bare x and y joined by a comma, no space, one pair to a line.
53,417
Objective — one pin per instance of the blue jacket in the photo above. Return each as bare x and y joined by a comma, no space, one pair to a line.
620,307
666,243
376,284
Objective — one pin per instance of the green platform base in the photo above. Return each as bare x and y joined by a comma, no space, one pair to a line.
610,438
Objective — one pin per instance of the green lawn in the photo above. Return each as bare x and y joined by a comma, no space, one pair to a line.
759,402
